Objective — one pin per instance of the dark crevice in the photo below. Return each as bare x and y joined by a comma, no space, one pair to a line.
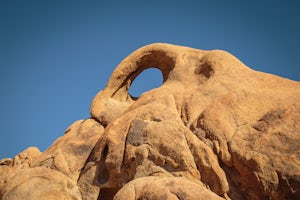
107,193
104,124
176,195
125,144
104,152
232,176
103,174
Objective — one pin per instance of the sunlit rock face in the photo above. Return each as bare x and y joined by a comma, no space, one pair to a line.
215,129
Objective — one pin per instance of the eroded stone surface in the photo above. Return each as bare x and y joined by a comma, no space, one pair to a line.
52,174
214,129
153,188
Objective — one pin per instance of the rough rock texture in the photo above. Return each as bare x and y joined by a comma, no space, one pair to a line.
214,129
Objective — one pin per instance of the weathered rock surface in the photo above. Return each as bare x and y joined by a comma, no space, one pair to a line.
215,129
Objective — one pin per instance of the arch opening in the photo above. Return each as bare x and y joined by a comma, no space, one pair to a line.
148,79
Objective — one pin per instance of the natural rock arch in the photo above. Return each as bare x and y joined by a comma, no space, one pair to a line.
214,129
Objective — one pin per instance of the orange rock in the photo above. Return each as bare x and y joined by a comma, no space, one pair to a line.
214,129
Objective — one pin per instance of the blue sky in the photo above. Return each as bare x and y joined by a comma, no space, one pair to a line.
56,55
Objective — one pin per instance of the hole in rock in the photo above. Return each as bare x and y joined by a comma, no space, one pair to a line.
147,80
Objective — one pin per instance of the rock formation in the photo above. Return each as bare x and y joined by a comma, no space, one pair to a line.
215,129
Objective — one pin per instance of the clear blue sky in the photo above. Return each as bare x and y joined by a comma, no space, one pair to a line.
55,55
